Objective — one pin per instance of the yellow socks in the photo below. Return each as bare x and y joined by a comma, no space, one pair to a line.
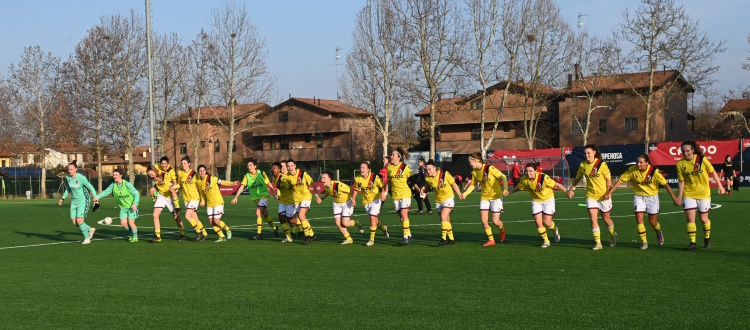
691,231
270,222
158,233
380,226
285,229
299,226
657,227
223,225
543,233
450,230
356,223
307,228
348,237
259,222
444,229
611,230
182,230
707,229
405,226
217,229
552,228
642,232
488,231
597,235
372,232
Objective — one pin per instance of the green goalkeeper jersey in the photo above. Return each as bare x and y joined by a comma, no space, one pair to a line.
125,194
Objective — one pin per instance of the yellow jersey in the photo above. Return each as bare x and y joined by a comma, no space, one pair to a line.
540,191
397,175
695,177
369,187
442,184
339,191
169,170
285,189
597,174
300,186
209,190
645,183
490,178
187,182
163,187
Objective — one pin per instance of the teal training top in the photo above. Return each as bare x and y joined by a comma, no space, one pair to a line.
125,194
75,187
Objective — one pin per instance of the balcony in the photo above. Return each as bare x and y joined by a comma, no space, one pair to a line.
305,154
336,125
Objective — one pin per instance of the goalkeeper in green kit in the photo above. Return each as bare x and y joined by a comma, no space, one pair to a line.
127,198
79,187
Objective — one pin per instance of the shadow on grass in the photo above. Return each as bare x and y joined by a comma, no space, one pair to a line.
64,236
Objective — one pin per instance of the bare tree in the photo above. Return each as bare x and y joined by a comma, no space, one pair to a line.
662,35
194,87
593,70
33,85
542,62
170,68
375,64
85,89
236,67
746,65
125,37
434,42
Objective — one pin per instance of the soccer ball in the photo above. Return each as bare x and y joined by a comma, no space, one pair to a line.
108,220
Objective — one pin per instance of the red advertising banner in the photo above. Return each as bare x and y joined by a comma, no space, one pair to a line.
537,153
668,153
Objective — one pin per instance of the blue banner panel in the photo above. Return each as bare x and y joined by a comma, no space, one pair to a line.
618,157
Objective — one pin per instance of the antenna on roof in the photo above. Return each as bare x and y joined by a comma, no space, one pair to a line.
338,97
580,19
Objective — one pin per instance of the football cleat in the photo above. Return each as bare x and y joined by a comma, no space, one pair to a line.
276,231
287,240
691,247
502,235
221,239
489,243
370,243
442,242
134,240
361,227
451,242
182,238
229,234
557,234
405,241
613,240
156,240
257,236
385,232
644,246
660,237
86,241
707,243
347,241
91,233
598,246
546,245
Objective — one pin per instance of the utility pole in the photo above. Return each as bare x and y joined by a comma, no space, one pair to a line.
150,83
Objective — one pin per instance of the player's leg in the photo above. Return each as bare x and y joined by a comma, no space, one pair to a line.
690,206
484,215
404,214
157,224
302,216
541,230
267,216
595,231
704,207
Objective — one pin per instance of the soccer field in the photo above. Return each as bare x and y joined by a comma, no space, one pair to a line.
52,281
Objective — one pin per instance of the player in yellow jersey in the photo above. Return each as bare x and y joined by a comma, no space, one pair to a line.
489,178
694,189
187,178
398,174
443,184
259,187
541,188
283,193
342,205
161,190
302,197
646,180
598,181
165,167
211,198
370,185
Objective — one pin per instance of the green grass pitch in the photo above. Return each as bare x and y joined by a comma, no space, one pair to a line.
49,280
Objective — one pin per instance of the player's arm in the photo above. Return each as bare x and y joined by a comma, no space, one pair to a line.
320,199
469,189
108,191
135,193
560,187
513,190
501,177
202,195
225,183
355,191
87,185
608,194
718,181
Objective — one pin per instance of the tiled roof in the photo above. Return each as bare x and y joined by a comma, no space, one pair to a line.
458,111
329,106
70,148
6,153
624,81
207,113
736,105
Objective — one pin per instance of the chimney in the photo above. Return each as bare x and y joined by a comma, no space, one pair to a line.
577,71
570,81
318,102
290,95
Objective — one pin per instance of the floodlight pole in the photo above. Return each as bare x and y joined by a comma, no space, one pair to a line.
150,83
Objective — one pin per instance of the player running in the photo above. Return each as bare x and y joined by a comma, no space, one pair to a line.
370,185
489,178
694,189
165,167
443,184
645,179
302,197
161,189
284,195
127,198
79,187
598,180
541,188
342,205
187,178
258,186
208,188
398,174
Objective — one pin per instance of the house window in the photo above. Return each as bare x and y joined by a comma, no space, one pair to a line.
602,125
3,163
476,104
284,116
320,140
307,139
506,128
273,144
284,143
203,144
217,146
183,148
631,124
577,126
475,133
234,146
